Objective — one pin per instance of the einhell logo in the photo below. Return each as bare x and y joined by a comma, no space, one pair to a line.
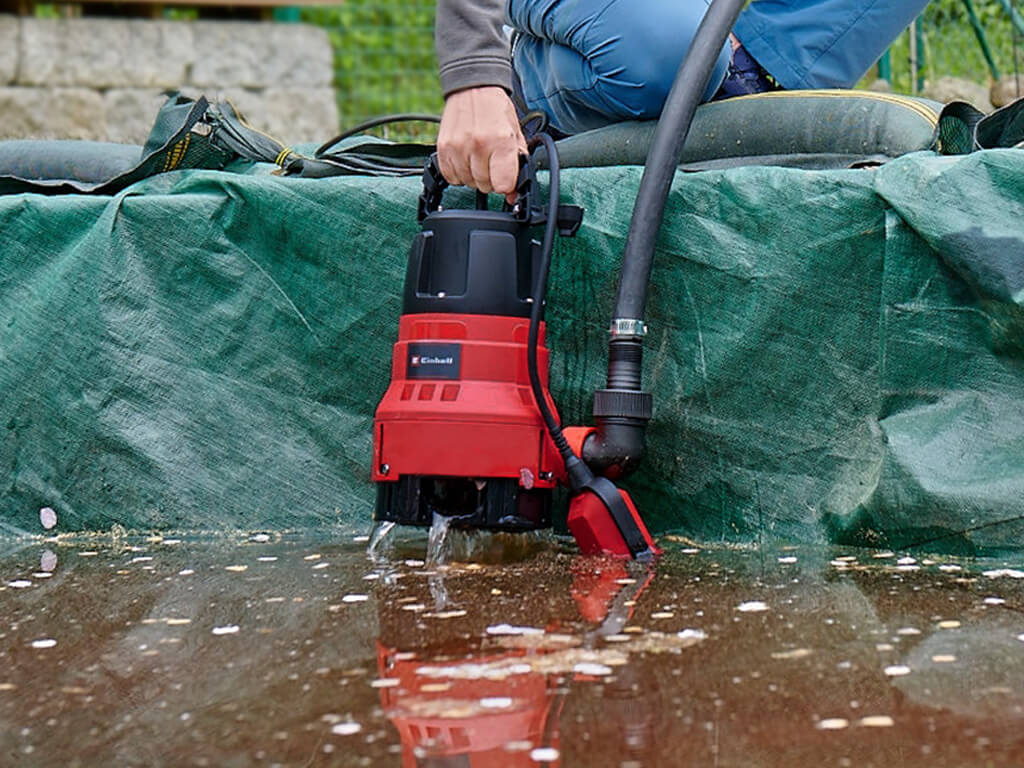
433,361
428,360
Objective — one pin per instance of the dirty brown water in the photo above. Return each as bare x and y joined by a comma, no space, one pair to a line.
288,651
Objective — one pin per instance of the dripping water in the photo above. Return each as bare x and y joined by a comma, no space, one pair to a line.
380,533
437,541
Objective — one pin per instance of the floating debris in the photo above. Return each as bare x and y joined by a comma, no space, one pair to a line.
508,629
691,635
230,629
355,598
48,561
44,642
752,606
876,721
999,572
47,517
496,702
435,687
588,668
796,653
897,670
454,614
346,729
832,724
544,755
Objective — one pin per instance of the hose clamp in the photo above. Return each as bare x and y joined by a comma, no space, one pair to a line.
627,327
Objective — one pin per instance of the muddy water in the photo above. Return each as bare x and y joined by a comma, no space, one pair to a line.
292,652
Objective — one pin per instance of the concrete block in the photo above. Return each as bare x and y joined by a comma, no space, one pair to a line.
1007,90
260,55
290,115
947,89
131,113
9,33
298,115
51,113
105,53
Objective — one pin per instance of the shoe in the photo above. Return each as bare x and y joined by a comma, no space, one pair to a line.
744,77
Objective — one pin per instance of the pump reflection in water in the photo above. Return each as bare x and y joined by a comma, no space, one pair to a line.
498,703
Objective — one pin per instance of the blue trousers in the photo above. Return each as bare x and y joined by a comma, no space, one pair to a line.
588,63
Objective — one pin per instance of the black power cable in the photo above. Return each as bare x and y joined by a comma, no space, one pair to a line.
540,296
581,478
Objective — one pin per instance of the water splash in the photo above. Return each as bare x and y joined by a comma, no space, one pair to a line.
437,540
438,591
380,533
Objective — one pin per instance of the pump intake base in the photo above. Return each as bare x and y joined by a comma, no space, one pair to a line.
496,503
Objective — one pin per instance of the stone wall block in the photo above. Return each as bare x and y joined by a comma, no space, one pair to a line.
947,89
105,53
232,54
299,115
52,113
1007,90
131,113
290,115
9,33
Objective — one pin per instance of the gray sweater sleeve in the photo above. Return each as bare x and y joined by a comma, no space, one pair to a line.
471,47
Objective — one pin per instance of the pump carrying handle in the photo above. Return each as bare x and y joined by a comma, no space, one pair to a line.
434,185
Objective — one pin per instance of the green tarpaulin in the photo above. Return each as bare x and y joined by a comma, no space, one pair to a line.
834,355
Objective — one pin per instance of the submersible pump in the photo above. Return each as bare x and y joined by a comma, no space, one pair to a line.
467,428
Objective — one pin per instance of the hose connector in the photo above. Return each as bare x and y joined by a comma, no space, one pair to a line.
625,327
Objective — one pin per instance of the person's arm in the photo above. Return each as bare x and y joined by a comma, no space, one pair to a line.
479,141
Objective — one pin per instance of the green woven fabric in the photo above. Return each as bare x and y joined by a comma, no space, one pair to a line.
834,355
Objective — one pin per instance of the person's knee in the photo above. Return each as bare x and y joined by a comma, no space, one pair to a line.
637,51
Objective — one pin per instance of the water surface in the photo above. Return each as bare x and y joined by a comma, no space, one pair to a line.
263,651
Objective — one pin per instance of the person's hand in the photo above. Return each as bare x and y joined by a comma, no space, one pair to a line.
480,141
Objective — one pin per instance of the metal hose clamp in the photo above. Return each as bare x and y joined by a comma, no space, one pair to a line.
627,327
